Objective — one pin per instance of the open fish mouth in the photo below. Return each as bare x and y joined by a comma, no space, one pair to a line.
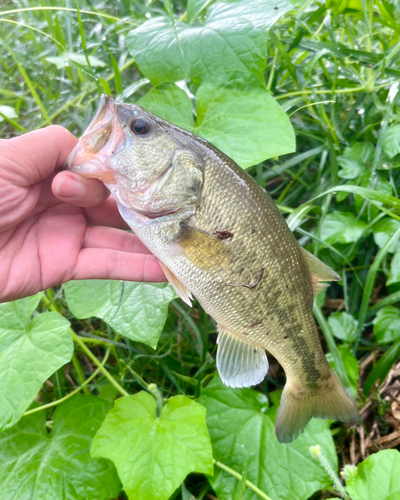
103,138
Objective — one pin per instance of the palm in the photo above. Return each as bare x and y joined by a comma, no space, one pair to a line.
45,241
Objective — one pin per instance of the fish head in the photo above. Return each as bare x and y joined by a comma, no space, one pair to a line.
140,159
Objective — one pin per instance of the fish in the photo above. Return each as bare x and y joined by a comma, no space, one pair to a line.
221,239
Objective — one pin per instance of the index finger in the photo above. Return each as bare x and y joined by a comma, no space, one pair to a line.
32,157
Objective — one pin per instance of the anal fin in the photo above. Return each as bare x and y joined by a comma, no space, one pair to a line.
179,287
239,363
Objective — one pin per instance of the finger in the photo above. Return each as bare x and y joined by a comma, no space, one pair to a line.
94,263
114,239
34,156
78,190
106,214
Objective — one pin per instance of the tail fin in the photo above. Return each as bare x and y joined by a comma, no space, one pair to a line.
299,404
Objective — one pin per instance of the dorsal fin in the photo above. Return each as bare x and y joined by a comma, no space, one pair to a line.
319,271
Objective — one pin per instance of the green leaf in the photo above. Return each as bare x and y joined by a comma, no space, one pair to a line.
354,159
387,325
382,368
343,326
350,364
64,59
232,39
221,120
7,111
243,436
135,310
244,121
394,275
377,478
384,230
36,465
30,351
391,141
338,227
154,455
171,103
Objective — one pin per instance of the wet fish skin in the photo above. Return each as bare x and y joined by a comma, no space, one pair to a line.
221,238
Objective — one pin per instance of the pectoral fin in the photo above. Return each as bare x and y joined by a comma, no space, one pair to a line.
179,287
239,364
204,249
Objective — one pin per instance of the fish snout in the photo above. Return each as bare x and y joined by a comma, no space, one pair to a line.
103,138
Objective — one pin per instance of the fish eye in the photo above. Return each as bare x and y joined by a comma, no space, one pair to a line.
140,126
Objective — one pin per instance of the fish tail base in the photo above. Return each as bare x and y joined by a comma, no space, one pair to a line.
299,404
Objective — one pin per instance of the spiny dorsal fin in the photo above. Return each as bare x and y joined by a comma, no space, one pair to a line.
239,364
319,271
204,249
179,287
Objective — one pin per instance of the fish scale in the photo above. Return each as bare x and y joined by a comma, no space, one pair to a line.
220,237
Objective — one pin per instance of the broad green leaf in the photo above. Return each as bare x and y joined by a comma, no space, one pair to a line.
7,111
195,7
153,455
243,436
38,465
377,478
354,159
384,230
136,310
232,39
350,364
242,119
64,59
343,326
338,227
387,325
30,351
171,103
391,141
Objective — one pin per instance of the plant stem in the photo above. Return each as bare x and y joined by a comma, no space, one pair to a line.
240,477
316,452
369,286
75,391
79,372
339,365
93,358
138,378
152,388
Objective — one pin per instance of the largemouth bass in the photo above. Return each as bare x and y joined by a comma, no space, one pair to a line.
220,237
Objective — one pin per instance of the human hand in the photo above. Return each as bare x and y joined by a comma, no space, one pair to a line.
53,225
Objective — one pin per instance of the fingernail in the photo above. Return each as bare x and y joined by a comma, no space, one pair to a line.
68,187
